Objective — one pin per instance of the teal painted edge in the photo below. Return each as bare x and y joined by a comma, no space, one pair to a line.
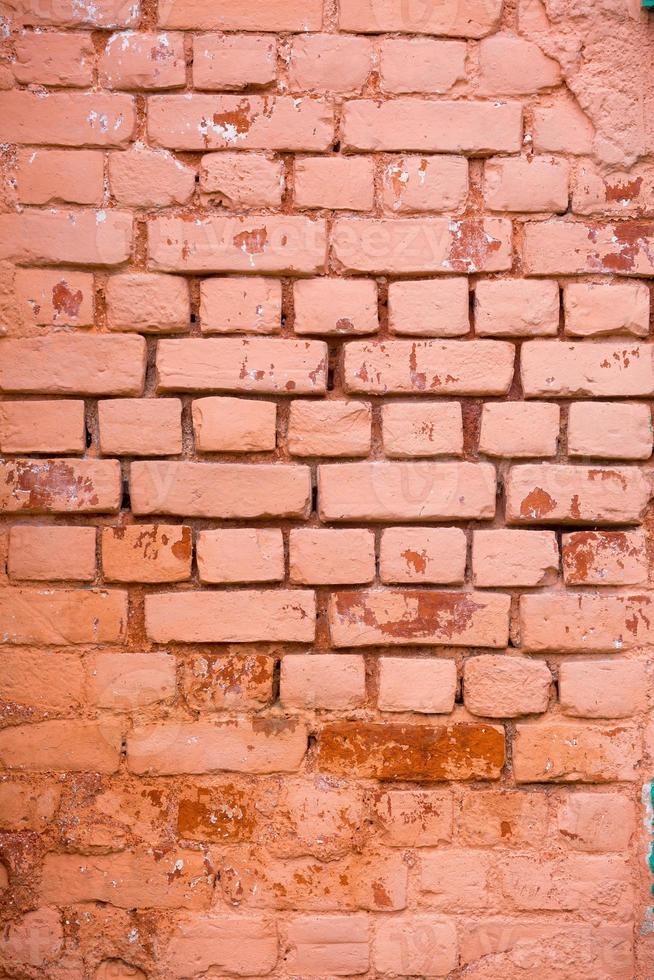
648,3
651,787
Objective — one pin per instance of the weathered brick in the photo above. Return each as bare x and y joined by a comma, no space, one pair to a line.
329,62
435,555
421,65
556,751
62,746
126,681
406,491
535,183
468,19
455,879
548,493
516,308
234,425
427,429
231,15
551,369
236,681
514,558
329,428
510,65
610,430
141,426
413,818
85,237
60,176
416,184
405,618
334,945
227,490
560,247
240,305
231,617
52,553
415,944
49,297
59,486
148,303
507,817
238,180
505,687
519,429
240,555
596,821
592,309
335,306
65,364
341,183
582,623
54,59
422,685
142,177
66,118
336,682
602,688
146,553
232,62
143,60
68,13
63,617
232,364
429,307
329,556
604,558
42,427
49,681
237,944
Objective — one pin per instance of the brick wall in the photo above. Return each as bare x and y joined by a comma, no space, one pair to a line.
326,599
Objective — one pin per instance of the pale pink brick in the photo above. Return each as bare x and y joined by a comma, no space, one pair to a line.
592,309
519,429
423,429
610,430
551,369
59,176
560,126
421,65
414,818
329,62
239,305
435,555
410,956
497,686
45,297
421,184
429,307
231,61
234,425
336,682
241,180
325,556
52,553
605,558
140,60
338,183
233,555
511,65
329,428
42,427
542,493
510,558
335,306
568,248
423,685
536,183
454,18
141,426
597,821
328,945
125,682
148,302
602,688
516,308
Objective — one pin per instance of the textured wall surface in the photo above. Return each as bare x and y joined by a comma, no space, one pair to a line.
326,541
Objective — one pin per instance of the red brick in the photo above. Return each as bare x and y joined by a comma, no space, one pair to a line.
334,945
551,369
621,193
141,426
505,687
231,364
60,176
581,623
406,491
468,19
223,942
424,125
340,183
142,177
329,62
246,616
127,880
435,555
68,364
269,243
102,238
66,118
238,681
51,297
427,429
143,61
54,59
231,15
413,818
42,427
248,122
604,558
329,428
429,307
480,367
405,618
235,425
28,806
423,685
416,184
519,429
148,303
44,680
240,305
126,681
59,486
336,682
575,752
420,753
256,745
593,309
329,556
62,746
560,247
421,65
514,558
602,688
63,617
542,493
597,821
68,13
514,66
516,308
231,62
401,246
241,180
52,553
610,430
240,555
335,306
227,490
146,553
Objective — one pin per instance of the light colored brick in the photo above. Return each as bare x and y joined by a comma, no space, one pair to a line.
609,430
592,309
141,426
240,555
516,308
421,65
551,369
602,688
519,429
604,558
425,429
329,62
429,307
511,65
422,554
514,558
60,176
234,425
231,61
426,686
52,553
535,183
505,687
422,184
584,623
241,180
42,427
326,556
336,682
236,305
147,553
339,183
147,302
329,428
335,306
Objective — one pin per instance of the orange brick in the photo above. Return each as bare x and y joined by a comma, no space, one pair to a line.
234,425
422,685
230,61
609,430
236,305
505,687
63,617
593,309
503,817
62,746
126,681
148,303
141,60
325,556
597,821
240,555
429,307
142,177
239,681
335,306
44,680
421,65
390,957
67,13
52,297
146,553
516,308
329,428
551,369
602,688
514,558
329,62
604,558
262,15
467,19
38,237
578,752
52,553
334,945
42,427
519,429
584,623
59,486
141,426
413,818
54,59
223,942
420,184
60,176
423,554
427,429
336,682
241,180
66,118
340,183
